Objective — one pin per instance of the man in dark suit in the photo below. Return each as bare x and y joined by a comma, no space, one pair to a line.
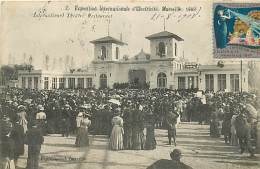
17,135
34,139
170,164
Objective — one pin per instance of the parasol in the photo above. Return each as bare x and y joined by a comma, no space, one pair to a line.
117,102
29,101
116,96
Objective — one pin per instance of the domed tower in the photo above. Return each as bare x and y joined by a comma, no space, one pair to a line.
165,45
107,49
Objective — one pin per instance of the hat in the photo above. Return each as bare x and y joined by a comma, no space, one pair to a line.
80,114
40,107
175,154
21,107
67,105
15,104
87,114
85,106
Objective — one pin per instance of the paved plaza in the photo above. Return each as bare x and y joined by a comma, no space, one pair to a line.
199,151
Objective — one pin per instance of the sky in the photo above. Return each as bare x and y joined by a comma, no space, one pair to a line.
23,35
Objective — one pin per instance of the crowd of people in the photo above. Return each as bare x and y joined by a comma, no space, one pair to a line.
236,120
122,114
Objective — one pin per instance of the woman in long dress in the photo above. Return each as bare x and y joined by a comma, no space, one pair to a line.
82,138
22,117
234,139
138,130
116,137
150,142
79,120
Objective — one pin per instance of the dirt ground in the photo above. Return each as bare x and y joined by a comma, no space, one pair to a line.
199,151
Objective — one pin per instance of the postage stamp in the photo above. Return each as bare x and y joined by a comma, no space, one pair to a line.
236,30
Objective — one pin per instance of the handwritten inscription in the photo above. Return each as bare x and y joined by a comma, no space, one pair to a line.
106,12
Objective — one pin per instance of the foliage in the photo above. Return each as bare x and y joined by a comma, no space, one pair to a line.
11,72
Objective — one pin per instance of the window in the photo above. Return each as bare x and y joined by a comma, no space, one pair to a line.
117,52
161,80
61,83
35,82
234,82
162,49
103,81
103,53
71,83
209,80
181,82
81,83
54,83
23,82
221,82
175,49
46,83
29,82
89,82
191,82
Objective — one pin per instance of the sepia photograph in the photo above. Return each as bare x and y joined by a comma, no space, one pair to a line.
125,84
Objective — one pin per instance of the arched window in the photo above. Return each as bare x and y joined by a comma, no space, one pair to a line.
161,80
103,81
103,53
117,52
162,49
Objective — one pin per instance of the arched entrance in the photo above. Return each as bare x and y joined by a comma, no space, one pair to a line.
137,78
161,80
103,81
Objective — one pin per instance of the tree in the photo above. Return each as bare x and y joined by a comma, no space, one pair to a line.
7,72
11,72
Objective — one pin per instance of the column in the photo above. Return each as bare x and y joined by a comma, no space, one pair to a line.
26,82
76,82
196,82
215,82
201,81
228,87
66,83
85,82
186,82
32,82
19,81
50,83
58,83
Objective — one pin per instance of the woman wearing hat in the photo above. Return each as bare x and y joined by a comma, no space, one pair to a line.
41,119
83,122
116,137
22,117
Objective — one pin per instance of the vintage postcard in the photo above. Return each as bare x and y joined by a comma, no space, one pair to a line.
130,84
